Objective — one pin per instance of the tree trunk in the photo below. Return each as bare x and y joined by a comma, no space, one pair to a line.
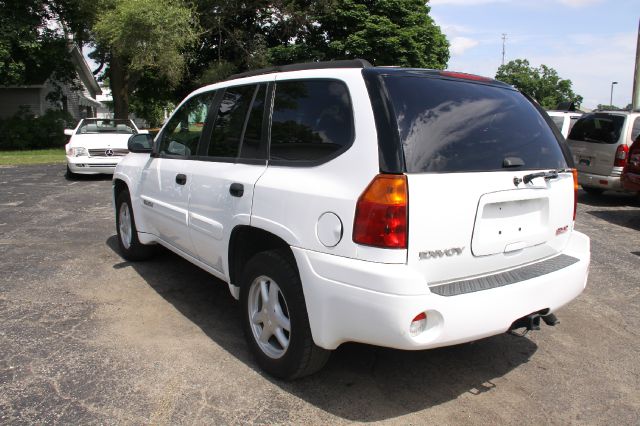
119,81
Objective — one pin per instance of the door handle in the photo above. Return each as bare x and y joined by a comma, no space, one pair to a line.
181,179
236,189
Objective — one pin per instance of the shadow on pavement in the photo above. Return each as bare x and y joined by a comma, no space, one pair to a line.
608,199
360,382
626,218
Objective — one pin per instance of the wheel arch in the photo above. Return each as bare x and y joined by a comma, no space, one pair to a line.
245,242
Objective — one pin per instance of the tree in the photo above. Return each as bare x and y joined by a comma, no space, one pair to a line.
31,48
385,32
541,83
142,36
239,36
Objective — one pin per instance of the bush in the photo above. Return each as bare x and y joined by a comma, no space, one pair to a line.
26,131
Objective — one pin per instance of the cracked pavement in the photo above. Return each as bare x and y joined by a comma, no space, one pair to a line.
87,338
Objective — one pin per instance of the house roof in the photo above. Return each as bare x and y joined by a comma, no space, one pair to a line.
83,69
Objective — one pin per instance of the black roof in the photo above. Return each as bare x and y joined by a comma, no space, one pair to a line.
349,63
364,64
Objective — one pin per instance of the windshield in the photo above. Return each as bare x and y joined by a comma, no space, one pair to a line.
458,126
95,126
598,128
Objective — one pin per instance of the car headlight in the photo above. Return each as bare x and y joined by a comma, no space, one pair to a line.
77,151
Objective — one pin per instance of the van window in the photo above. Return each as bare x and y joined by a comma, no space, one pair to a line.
598,128
458,126
558,121
312,120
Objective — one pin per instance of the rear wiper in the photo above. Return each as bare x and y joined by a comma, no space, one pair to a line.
551,174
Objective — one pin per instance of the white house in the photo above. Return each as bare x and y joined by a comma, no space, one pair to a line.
79,103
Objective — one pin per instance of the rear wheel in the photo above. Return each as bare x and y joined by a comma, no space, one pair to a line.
275,320
593,191
130,247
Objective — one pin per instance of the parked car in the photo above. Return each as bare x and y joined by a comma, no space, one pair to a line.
630,176
564,120
97,145
600,144
341,202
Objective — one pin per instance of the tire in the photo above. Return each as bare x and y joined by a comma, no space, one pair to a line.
69,175
285,354
130,247
593,191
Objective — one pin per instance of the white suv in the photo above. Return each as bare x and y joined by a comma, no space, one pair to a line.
341,202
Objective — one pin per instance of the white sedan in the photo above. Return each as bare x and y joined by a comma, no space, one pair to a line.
98,144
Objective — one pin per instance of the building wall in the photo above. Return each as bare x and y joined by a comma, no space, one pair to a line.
11,99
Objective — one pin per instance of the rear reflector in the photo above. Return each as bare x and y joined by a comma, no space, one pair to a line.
621,156
575,192
418,325
381,213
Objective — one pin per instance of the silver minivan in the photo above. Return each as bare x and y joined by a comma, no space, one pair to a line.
600,143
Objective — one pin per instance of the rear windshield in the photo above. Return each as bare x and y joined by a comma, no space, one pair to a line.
598,128
457,126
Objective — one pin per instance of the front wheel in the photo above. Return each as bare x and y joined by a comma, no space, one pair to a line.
130,247
275,320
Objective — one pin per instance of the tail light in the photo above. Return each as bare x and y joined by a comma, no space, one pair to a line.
381,213
622,153
575,192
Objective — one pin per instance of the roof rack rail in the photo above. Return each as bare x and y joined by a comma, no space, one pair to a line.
347,63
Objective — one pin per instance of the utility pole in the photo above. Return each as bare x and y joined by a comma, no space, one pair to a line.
611,98
504,40
635,99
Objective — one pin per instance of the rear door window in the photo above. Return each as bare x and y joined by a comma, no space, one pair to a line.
312,121
235,116
598,128
457,126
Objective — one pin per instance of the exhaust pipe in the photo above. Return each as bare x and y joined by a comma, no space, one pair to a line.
532,322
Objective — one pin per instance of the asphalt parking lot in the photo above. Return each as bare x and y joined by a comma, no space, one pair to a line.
86,337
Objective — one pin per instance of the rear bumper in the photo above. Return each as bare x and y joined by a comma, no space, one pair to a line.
345,307
93,165
611,182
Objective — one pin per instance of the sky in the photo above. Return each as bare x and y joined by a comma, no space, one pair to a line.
590,42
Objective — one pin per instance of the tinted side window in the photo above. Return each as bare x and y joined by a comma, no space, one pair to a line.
230,121
312,120
250,146
182,133
635,130
598,128
456,126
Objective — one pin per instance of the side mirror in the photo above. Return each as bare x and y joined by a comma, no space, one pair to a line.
140,143
68,132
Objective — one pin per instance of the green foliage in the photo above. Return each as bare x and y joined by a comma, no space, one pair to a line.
604,107
542,83
30,51
25,131
148,34
385,32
